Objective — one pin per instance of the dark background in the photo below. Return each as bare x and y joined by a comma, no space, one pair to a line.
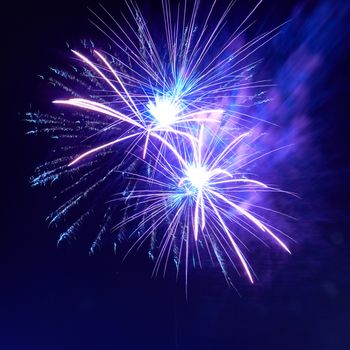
61,298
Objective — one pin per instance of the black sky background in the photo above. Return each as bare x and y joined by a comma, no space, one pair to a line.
61,298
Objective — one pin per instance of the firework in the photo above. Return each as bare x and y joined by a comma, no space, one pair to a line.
175,114
198,199
162,116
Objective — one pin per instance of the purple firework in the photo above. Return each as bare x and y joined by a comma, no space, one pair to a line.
167,121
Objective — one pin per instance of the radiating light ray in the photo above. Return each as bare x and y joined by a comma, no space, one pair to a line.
234,244
96,149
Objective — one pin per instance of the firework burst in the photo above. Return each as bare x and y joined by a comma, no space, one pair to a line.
196,201
174,110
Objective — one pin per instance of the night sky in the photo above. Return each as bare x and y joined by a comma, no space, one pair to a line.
60,297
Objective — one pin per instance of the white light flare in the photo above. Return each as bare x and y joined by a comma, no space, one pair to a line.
165,110
197,176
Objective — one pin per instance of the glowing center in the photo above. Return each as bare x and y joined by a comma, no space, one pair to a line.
164,110
197,176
